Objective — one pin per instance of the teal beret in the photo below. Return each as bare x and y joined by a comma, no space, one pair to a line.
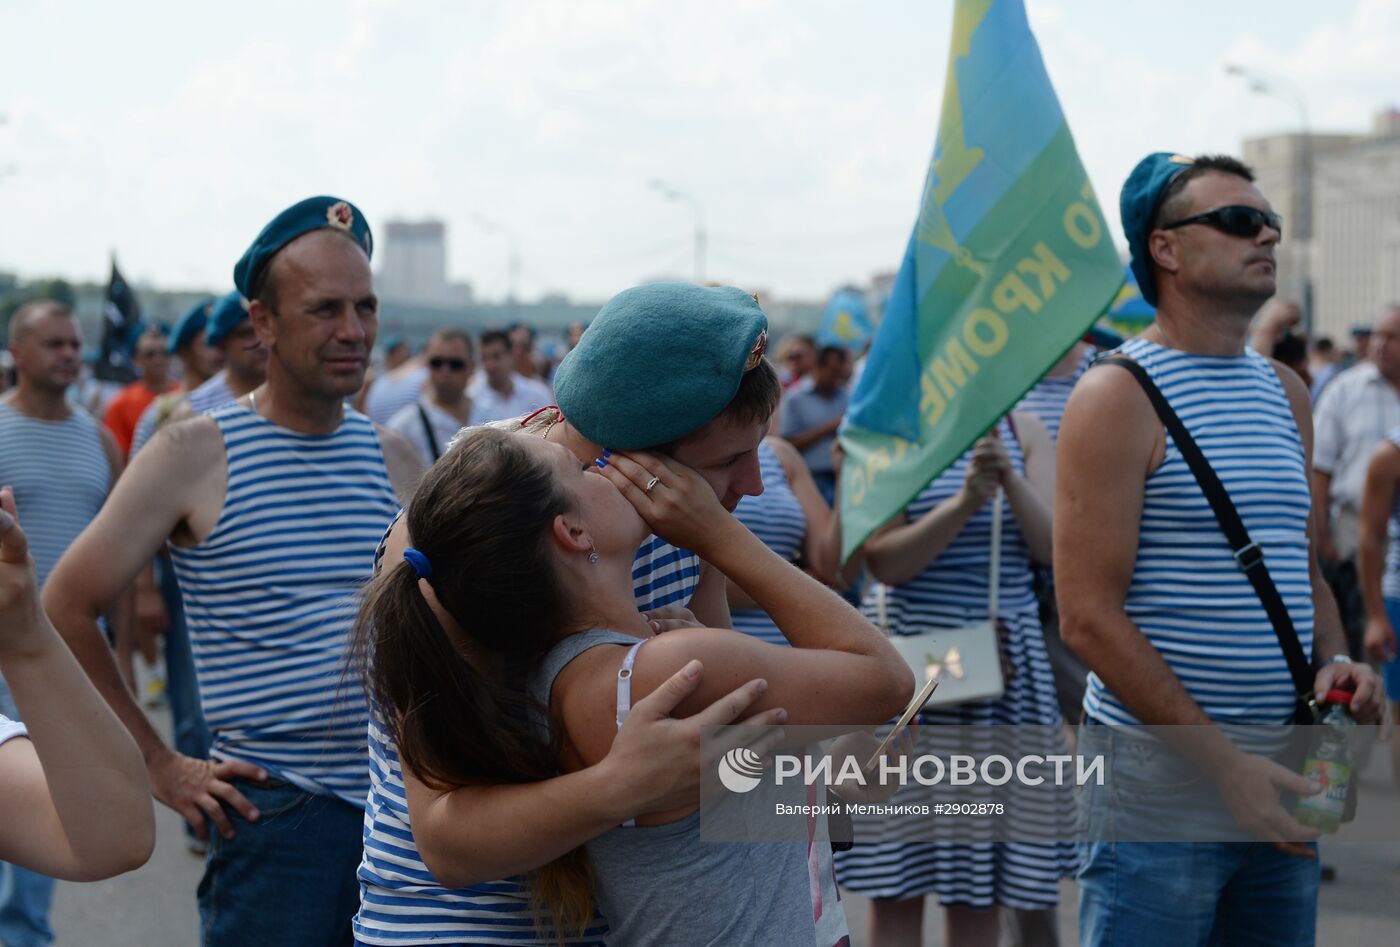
1139,203
189,325
314,213
658,362
227,314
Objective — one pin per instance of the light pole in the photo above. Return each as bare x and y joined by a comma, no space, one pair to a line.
671,194
491,226
1289,91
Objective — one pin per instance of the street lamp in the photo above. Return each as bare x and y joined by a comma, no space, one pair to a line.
1289,91
491,226
672,194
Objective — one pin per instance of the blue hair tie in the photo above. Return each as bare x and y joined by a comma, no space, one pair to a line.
420,563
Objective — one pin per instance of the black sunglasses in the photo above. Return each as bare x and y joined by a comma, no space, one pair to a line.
1236,219
456,364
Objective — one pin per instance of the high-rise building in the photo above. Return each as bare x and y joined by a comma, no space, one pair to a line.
413,265
1349,243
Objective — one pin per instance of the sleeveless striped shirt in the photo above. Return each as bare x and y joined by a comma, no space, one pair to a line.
212,394
400,900
60,475
1390,581
1187,595
1048,398
271,593
775,517
952,590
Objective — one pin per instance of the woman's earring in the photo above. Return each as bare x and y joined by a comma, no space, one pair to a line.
592,555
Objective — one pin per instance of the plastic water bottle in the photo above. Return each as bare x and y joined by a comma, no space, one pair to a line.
1329,763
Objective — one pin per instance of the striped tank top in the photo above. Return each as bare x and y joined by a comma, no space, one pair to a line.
1048,398
400,901
1390,581
775,517
214,393
953,588
1187,595
60,475
271,594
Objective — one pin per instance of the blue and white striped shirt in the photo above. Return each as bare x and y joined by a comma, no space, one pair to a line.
400,901
1048,398
60,475
271,594
1188,596
775,517
214,393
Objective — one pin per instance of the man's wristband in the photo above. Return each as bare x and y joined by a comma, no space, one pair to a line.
1338,659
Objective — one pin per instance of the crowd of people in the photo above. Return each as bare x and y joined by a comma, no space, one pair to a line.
441,637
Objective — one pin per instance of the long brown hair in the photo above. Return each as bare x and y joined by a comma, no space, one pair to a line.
482,516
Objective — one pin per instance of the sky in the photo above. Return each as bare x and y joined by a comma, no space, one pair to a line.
801,129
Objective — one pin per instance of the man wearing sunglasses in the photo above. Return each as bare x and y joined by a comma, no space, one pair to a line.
444,408
1154,600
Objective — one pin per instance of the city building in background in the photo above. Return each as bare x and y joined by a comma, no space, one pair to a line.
1347,244
413,265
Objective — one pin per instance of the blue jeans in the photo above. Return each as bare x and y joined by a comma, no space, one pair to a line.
25,897
1180,894
287,879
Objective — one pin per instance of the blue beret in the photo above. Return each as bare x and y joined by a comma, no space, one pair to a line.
189,325
228,314
314,213
658,362
1139,203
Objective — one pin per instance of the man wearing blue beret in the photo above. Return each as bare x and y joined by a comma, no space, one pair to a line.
671,367
1178,624
244,367
271,506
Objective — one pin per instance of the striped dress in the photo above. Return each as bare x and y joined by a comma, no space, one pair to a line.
1187,595
270,596
775,517
952,592
60,475
400,901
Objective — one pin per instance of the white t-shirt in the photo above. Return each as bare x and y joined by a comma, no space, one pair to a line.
10,729
409,422
1352,416
527,395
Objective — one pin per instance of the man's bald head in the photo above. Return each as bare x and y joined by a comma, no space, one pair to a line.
29,315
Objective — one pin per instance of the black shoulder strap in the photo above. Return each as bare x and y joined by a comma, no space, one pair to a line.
428,430
1247,553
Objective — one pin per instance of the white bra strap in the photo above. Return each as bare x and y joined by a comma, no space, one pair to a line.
624,698
624,684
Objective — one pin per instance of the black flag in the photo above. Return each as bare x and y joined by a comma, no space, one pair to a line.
122,318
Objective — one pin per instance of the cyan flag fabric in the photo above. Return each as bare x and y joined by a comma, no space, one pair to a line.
846,321
1008,262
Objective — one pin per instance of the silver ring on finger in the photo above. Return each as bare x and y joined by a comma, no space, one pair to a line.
651,485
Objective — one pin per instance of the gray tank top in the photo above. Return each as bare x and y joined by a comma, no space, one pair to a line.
660,885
